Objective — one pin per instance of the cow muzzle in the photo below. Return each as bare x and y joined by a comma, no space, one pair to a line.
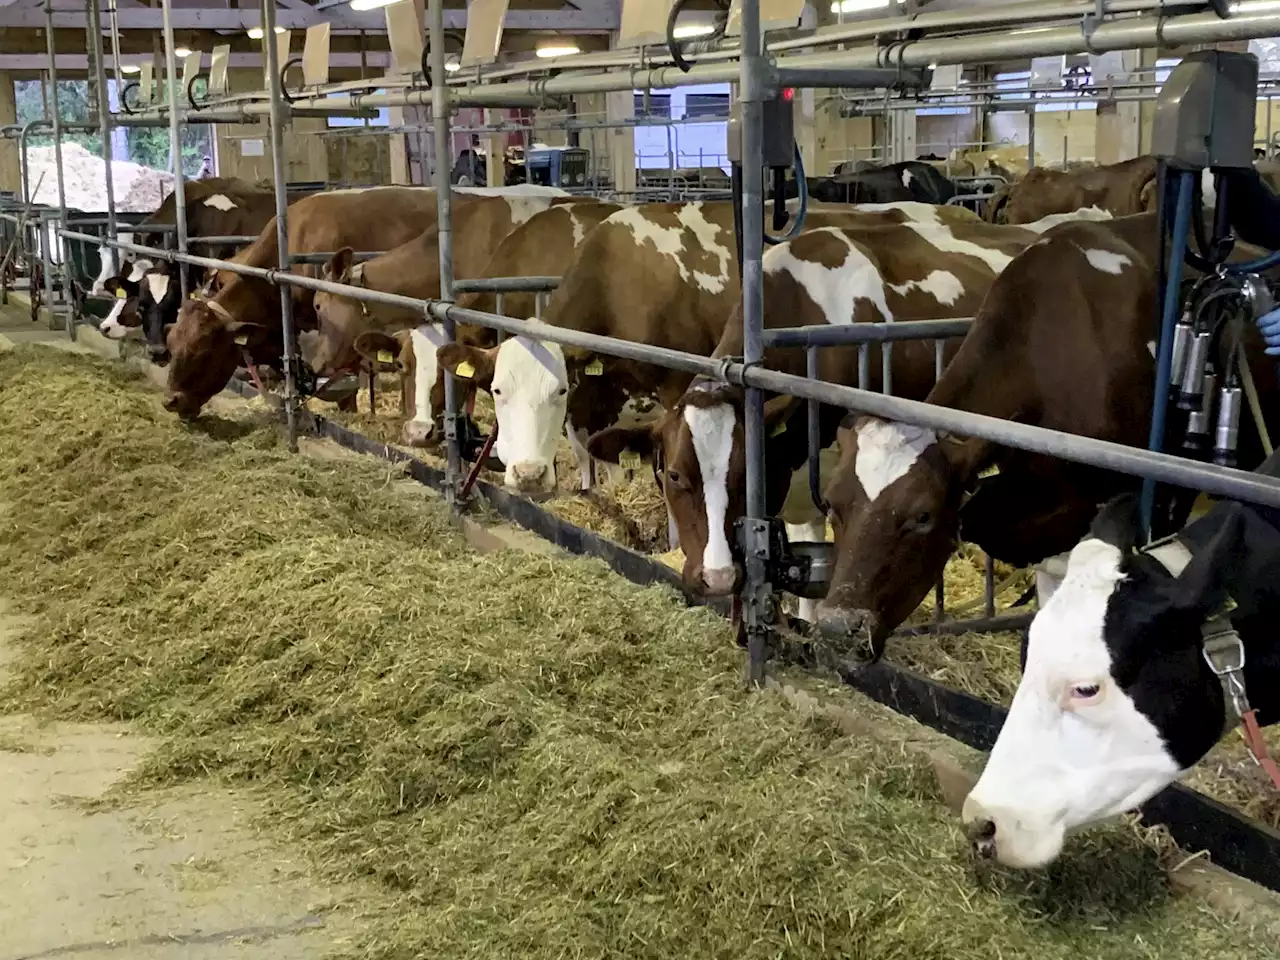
158,353
530,476
854,633
419,433
719,581
1004,837
182,405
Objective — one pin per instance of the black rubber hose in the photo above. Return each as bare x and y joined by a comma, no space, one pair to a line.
673,45
284,71
735,181
191,90
779,197
124,96
426,67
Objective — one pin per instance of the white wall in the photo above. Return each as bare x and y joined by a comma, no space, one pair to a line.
694,144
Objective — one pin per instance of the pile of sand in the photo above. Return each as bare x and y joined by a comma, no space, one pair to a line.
138,189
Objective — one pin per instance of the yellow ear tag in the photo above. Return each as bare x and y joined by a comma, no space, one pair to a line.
594,368
630,460
384,356
242,340
465,370
121,295
779,429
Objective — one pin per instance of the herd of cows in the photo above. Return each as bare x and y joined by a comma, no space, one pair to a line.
1062,288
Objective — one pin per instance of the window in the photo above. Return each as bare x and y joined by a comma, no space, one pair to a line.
1017,84
383,119
659,106
706,106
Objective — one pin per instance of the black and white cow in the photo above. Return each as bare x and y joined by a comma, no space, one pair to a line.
1117,699
153,296
125,288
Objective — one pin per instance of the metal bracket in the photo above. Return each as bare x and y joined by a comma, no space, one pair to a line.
1223,651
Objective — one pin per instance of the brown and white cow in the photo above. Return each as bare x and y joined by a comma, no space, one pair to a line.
544,245
911,271
411,269
211,336
1062,340
1121,188
662,274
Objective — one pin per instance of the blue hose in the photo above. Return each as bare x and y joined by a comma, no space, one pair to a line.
802,189
1255,266
1164,369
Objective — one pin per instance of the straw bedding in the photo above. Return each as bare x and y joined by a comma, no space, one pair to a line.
629,509
527,756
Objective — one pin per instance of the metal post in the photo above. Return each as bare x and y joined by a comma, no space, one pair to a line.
1031,137
756,591
444,221
175,131
278,120
104,120
55,115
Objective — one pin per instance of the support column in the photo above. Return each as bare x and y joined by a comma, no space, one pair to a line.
621,105
1118,126
10,165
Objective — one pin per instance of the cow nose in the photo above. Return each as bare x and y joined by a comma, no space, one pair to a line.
529,474
718,580
172,402
982,834
850,632
417,433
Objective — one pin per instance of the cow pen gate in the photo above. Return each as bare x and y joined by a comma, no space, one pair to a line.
1196,822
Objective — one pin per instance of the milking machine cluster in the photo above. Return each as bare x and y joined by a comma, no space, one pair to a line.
1203,122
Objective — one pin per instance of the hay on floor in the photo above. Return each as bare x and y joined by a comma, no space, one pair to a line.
527,755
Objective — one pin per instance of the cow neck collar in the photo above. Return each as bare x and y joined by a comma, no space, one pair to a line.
1224,653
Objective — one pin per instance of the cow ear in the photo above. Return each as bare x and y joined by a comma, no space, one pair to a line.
468,363
381,350
612,442
965,456
339,265
1206,583
247,333
778,410
1119,524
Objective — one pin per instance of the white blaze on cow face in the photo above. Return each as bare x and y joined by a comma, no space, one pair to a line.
1074,749
158,284
111,327
139,269
1107,261
887,451
426,341
711,430
530,387
220,202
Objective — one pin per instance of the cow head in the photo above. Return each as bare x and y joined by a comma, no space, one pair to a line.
205,347
895,499
340,320
529,382
159,296
1115,701
700,462
123,315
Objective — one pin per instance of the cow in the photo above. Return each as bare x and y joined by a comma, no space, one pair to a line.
882,273
125,291
544,245
242,319
1118,697
411,270
910,180
663,274
1122,188
1062,341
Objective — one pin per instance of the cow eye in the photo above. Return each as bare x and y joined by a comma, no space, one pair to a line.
563,391
497,392
677,480
1085,691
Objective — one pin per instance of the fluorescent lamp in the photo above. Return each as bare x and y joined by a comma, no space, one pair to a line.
557,50
692,30
453,65
182,52
858,6
370,4
255,33
130,68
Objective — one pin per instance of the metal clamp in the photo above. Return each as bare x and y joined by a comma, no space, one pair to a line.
1223,651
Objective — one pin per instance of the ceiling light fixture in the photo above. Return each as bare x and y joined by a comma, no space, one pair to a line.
692,30
255,33
370,4
557,50
182,52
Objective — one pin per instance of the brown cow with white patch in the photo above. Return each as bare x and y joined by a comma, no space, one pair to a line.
544,245
212,336
1121,188
662,274
1063,341
911,271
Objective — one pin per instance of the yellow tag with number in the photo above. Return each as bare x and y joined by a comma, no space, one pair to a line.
384,356
779,429
630,460
594,368
121,295
465,370
242,341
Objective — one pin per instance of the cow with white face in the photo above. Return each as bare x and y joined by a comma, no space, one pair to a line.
1118,699
124,315
110,259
